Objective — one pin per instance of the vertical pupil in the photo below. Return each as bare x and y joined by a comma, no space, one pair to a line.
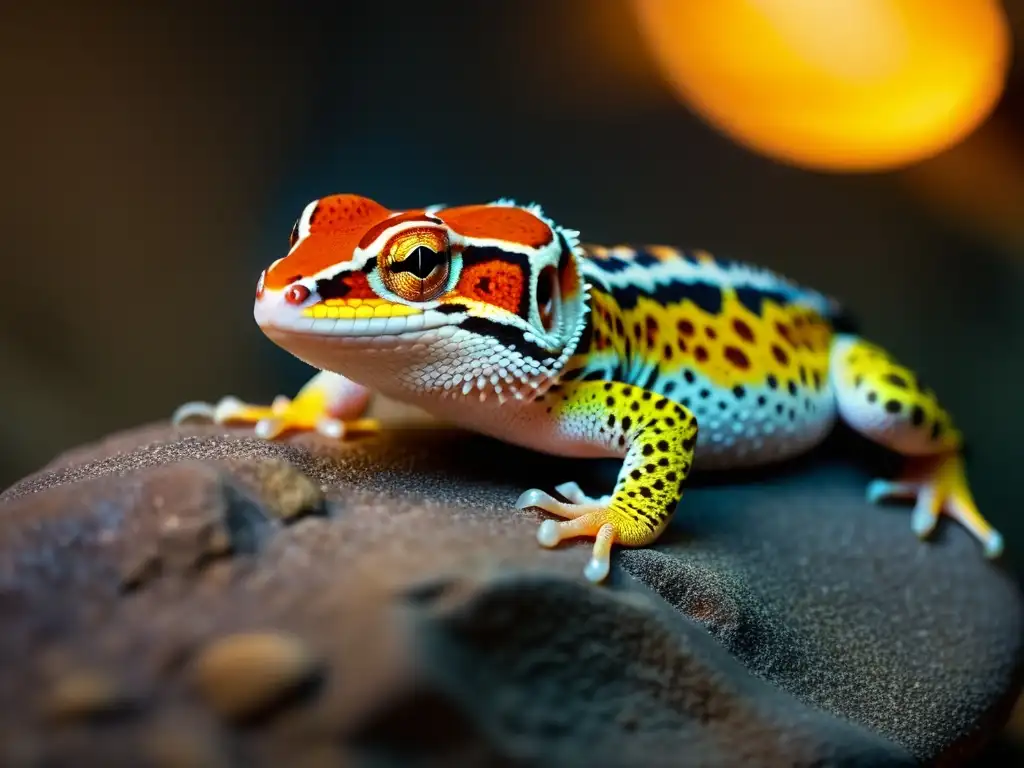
422,261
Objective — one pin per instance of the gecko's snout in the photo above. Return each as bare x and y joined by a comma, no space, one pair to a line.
282,306
295,294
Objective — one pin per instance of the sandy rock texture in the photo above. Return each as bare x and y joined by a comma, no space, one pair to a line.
194,596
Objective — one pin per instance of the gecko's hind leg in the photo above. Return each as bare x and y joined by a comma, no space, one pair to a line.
887,403
328,404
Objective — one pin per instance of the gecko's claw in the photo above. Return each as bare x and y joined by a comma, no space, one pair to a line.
192,411
268,428
938,486
584,516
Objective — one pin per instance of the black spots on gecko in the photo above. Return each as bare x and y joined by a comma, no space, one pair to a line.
737,357
743,330
896,380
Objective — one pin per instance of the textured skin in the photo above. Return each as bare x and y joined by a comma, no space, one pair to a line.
745,351
495,318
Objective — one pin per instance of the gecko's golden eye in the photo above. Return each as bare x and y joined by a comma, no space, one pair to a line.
416,265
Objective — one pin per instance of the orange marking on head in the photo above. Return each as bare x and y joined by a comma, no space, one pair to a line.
495,282
513,225
335,229
342,213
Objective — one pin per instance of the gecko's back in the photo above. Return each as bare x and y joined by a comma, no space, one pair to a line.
742,347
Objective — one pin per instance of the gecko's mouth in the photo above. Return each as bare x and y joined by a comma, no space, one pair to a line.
352,318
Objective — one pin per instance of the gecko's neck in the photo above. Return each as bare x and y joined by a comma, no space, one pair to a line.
614,344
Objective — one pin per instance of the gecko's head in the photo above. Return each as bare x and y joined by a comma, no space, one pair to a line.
475,300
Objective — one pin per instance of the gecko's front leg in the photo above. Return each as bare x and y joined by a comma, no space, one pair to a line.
657,438
328,403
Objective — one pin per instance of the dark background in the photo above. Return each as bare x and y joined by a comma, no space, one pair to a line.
155,156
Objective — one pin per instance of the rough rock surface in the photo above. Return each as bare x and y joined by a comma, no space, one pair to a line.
194,597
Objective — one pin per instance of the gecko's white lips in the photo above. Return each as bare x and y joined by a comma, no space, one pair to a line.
279,317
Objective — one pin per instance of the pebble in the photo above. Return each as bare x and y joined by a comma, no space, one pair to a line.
245,675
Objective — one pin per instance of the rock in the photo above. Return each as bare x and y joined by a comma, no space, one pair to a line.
383,601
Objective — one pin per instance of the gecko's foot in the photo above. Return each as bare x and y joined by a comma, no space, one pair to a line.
282,417
584,516
938,485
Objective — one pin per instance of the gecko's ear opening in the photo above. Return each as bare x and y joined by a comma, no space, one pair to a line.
549,299
570,294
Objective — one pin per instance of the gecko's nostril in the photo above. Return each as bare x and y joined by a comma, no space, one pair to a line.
297,294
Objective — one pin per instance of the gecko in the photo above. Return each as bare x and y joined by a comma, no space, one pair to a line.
496,319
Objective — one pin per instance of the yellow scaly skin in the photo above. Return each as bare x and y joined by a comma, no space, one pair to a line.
495,318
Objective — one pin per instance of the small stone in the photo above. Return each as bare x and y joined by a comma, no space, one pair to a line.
246,675
287,493
84,695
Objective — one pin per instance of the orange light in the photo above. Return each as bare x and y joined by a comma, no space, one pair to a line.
834,84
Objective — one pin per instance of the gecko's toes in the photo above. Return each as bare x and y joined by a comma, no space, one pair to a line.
575,494
268,428
282,416
587,519
330,427
993,546
194,410
939,486
884,490
547,534
541,500
924,518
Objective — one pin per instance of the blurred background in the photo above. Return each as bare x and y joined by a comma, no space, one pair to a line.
155,156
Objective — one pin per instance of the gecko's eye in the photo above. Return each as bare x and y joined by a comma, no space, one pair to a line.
416,265
294,235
